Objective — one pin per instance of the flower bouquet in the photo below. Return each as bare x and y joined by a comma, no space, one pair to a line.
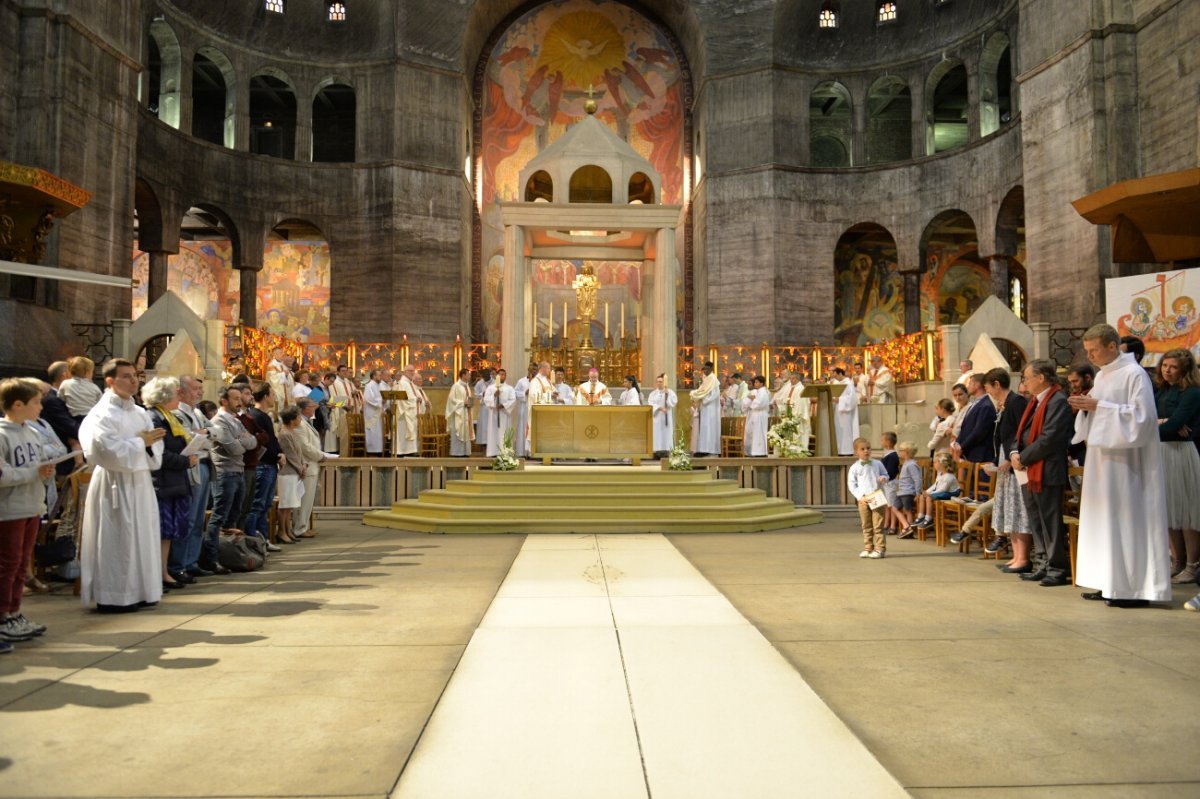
784,436
506,459
680,460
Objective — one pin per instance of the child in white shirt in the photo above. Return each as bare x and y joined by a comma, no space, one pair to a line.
78,391
864,477
945,485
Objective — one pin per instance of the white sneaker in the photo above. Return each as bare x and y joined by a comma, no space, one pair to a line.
876,555
1193,603
866,553
273,548
11,629
33,627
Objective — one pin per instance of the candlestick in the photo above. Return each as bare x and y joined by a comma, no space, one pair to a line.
606,321
622,321
534,336
637,330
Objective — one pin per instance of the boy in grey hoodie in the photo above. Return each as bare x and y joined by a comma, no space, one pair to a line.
22,501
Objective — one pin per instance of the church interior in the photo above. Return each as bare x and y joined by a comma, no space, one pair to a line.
671,198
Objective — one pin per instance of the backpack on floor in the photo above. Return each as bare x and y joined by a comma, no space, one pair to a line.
242,553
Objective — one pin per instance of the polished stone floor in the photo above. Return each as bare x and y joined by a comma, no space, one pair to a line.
370,663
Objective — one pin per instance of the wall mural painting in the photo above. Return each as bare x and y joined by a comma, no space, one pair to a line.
956,282
536,83
293,286
1159,308
868,292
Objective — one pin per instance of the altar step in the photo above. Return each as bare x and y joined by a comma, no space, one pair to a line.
568,499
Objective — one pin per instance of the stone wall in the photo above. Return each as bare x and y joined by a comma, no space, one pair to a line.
1168,86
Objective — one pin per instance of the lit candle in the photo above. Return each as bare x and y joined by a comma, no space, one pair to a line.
637,330
622,321
564,330
606,320
534,336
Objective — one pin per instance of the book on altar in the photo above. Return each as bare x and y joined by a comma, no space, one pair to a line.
876,499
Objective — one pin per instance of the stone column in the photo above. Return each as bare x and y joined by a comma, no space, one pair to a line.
1041,339
998,267
952,352
660,352
912,301
303,151
241,117
158,277
972,102
247,297
920,125
516,301
858,127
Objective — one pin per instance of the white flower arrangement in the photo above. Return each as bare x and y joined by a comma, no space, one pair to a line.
506,459
680,460
784,436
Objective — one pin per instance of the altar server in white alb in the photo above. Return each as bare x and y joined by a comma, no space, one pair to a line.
521,415
1123,540
663,401
279,375
847,412
791,395
733,398
120,557
566,394
373,415
500,399
592,391
404,434
706,407
541,392
484,413
757,407
458,416
632,395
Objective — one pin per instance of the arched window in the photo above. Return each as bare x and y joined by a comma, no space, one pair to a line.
995,84
887,12
828,16
337,12
164,67
274,6
641,189
540,186
214,99
591,184
333,124
946,105
272,117
889,121
830,126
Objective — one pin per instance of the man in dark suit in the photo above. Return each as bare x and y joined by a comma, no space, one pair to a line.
1043,438
975,442
54,411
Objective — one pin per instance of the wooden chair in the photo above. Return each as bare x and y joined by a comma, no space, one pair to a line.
1071,499
79,483
733,434
433,439
985,486
947,512
357,433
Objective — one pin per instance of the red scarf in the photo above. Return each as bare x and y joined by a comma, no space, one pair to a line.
1035,430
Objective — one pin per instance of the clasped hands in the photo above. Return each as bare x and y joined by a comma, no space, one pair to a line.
1080,402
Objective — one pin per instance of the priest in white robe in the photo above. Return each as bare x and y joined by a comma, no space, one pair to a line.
279,376
880,385
860,380
521,416
484,413
757,408
405,434
706,400
541,392
846,420
120,555
566,394
662,401
344,399
1123,548
500,399
734,396
459,404
791,395
592,391
373,415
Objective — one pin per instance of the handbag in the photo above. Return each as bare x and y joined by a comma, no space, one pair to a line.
241,553
55,552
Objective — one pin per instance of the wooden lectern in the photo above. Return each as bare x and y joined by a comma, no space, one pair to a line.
389,418
823,424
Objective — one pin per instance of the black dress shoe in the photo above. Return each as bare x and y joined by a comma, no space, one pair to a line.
172,586
1036,576
1026,569
1094,596
215,568
116,608
1050,582
197,571
1127,603
183,577
147,604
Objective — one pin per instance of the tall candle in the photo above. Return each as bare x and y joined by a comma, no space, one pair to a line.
606,320
622,321
534,336
564,331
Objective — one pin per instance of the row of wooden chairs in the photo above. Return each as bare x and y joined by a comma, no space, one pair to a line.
433,440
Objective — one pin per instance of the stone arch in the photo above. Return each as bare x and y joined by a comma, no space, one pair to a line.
889,120
272,113
641,189
1010,252
831,116
955,281
868,288
591,184
214,97
995,83
334,121
539,187
164,72
946,106
150,216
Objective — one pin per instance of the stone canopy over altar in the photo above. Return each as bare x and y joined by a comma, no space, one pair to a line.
591,197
